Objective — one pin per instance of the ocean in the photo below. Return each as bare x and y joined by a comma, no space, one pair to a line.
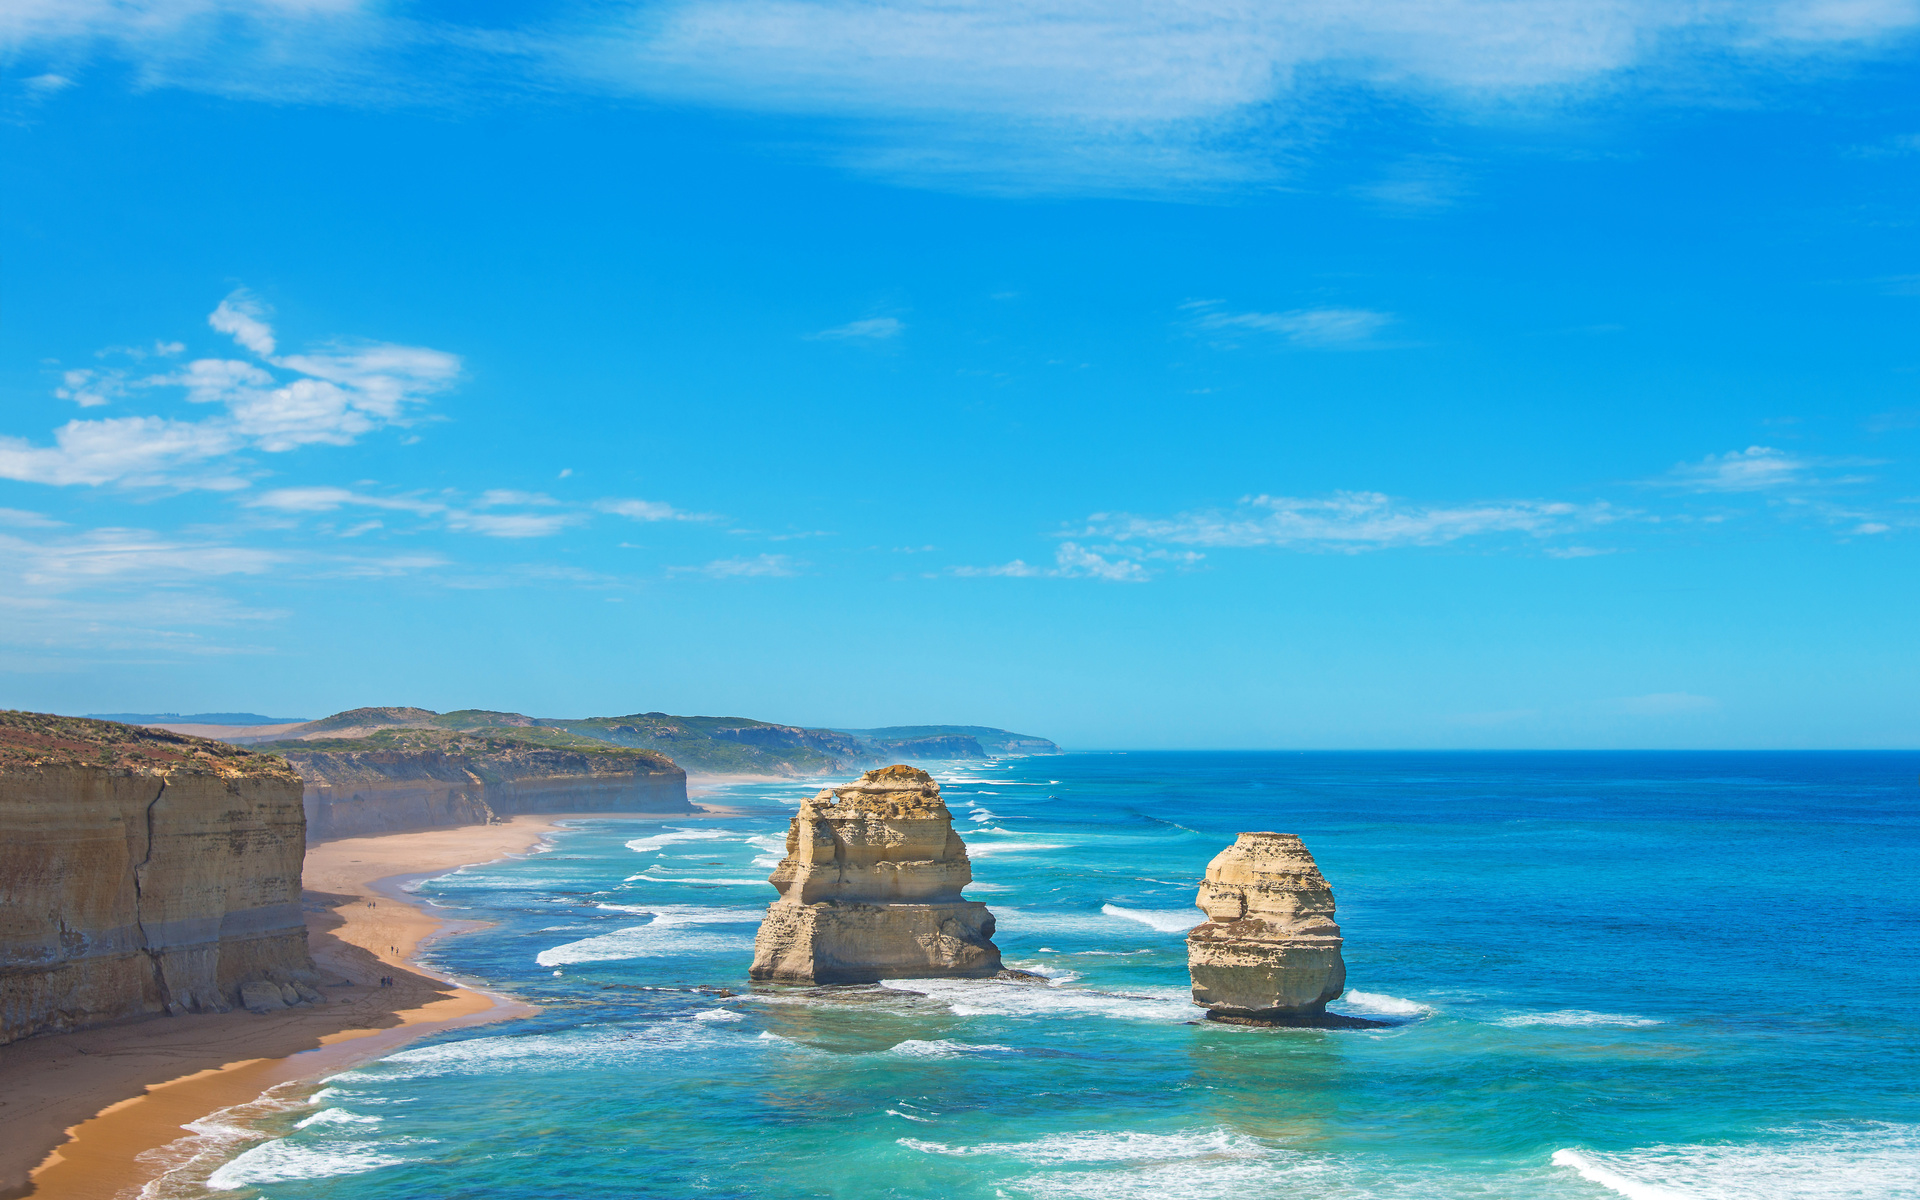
1651,975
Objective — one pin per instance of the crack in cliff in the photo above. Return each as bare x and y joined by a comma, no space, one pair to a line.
139,906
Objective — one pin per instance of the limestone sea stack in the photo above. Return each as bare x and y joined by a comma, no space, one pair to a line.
1270,952
870,890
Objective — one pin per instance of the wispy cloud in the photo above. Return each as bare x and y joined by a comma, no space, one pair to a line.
330,397
1312,328
1040,93
1755,469
647,510
1351,522
759,566
872,329
1070,561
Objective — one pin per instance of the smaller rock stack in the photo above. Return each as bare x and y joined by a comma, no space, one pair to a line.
1270,954
870,890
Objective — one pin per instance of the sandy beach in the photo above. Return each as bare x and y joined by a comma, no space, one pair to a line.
78,1109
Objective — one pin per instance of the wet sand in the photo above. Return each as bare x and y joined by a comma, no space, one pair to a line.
78,1109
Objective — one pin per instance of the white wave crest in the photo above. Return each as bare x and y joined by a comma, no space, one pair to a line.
544,1053
662,840
1374,1004
336,1116
284,1161
977,849
718,1014
1576,1017
944,1048
988,997
1868,1161
1165,920
1094,1146
666,935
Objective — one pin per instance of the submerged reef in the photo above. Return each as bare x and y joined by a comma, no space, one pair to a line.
870,890
1269,954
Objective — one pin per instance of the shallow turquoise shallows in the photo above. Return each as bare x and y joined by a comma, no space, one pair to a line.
1651,975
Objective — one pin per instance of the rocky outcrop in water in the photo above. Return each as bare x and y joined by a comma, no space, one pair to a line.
870,890
406,779
140,873
1269,952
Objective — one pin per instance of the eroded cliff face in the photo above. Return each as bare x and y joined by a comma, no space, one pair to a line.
1270,950
870,889
423,779
140,873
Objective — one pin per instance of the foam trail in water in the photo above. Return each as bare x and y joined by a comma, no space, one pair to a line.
1612,1180
665,935
284,1162
660,841
1577,1018
1865,1161
1375,1005
1165,920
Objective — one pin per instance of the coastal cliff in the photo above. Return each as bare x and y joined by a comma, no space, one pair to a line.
140,873
870,889
1270,952
407,779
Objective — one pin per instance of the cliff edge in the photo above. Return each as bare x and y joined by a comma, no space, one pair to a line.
142,872
870,890
406,779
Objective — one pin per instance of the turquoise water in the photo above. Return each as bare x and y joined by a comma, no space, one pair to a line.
1652,975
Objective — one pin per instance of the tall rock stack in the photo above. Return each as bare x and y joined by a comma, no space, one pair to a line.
1270,952
870,890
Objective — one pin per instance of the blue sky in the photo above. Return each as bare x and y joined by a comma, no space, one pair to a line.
1369,374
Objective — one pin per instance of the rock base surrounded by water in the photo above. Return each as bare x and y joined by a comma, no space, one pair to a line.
1270,952
870,890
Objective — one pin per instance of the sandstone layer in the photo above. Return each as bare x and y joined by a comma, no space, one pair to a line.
870,890
1269,952
143,872
400,780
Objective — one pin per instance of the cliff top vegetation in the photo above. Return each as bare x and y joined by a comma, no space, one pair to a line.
413,740
716,745
30,739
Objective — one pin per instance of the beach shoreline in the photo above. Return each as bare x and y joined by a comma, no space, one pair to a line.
79,1109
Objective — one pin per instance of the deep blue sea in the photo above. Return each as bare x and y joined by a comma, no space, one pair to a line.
1654,975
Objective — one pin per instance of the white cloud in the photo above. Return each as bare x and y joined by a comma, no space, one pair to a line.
22,519
90,388
495,497
644,510
1576,551
327,499
764,565
1061,93
1754,469
338,396
106,554
243,318
135,451
511,525
1318,328
1350,521
1071,561
873,329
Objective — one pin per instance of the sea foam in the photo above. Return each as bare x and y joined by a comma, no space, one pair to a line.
673,930
1869,1159
660,841
1165,920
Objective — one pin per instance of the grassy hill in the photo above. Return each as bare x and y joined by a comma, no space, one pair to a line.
707,745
